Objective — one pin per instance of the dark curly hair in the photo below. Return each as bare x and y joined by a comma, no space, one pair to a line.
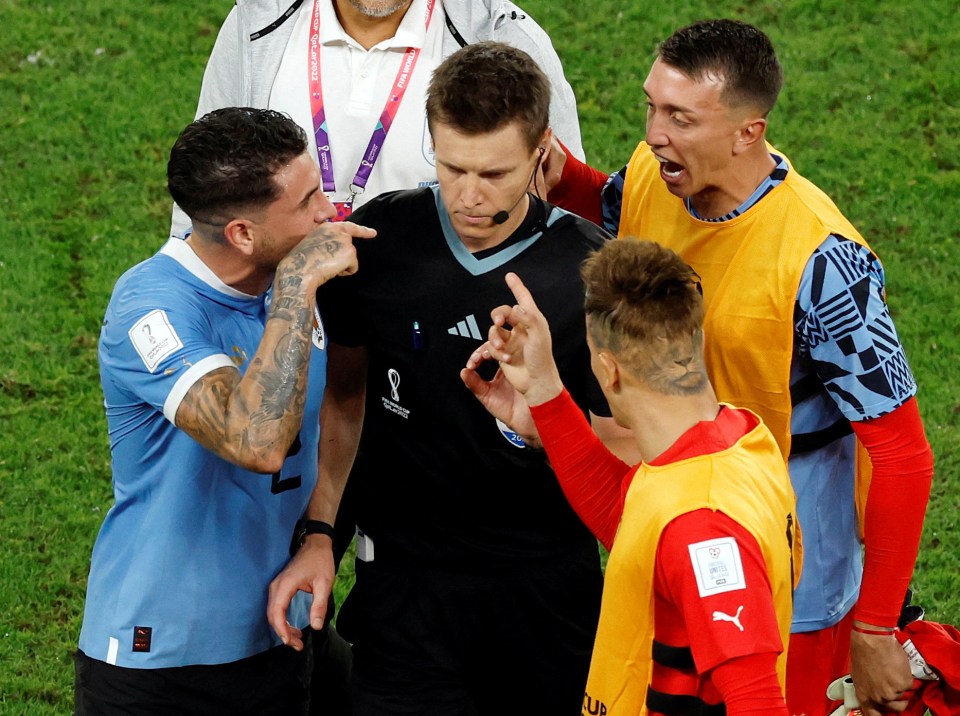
225,162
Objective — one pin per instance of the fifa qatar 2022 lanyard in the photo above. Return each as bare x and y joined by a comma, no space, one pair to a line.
389,113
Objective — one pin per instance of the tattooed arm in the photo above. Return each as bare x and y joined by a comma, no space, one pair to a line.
251,420
341,419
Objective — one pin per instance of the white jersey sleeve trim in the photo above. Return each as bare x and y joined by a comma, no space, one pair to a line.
186,381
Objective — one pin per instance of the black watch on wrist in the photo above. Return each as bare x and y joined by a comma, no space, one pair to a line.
306,527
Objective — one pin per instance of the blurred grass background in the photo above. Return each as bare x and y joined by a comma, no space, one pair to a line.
93,93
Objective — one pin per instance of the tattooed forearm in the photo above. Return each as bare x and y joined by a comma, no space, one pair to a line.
285,381
252,420
292,310
283,378
285,284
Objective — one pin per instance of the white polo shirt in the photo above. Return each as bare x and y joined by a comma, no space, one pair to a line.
356,83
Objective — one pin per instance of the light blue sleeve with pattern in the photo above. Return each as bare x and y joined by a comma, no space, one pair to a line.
845,333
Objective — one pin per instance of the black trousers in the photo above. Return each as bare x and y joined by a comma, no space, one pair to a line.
273,683
430,642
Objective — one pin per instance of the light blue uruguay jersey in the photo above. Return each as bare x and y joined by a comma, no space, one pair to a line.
848,366
182,563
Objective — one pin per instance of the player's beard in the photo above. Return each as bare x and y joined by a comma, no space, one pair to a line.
379,8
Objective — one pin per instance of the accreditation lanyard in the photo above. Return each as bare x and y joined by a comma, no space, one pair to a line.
389,113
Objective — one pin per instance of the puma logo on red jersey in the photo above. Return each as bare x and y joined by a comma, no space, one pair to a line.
735,619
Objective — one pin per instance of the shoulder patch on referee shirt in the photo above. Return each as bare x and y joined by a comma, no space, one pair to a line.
717,566
154,338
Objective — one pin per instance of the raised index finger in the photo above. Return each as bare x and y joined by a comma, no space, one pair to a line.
522,294
357,231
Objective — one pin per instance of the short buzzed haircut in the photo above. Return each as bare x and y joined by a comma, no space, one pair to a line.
485,86
225,162
644,305
738,54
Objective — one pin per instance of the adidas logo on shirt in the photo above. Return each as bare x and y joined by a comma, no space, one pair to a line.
467,328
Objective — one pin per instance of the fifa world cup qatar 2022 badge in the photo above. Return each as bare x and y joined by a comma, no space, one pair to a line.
392,403
154,338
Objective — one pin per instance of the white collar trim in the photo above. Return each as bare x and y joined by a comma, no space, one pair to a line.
179,250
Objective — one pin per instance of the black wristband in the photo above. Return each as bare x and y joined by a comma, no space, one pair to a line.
315,527
309,527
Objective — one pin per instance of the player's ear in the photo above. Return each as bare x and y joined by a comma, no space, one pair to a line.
239,233
609,374
752,131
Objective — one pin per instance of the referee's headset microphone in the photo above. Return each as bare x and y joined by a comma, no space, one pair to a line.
501,216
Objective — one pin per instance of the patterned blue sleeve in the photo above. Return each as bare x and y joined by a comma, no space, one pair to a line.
611,200
845,332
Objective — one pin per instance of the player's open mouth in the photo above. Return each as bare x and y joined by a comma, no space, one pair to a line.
668,169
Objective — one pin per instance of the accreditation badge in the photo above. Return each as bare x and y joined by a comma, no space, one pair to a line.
344,209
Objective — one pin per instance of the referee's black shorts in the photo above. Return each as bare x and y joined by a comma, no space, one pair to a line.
273,683
431,642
